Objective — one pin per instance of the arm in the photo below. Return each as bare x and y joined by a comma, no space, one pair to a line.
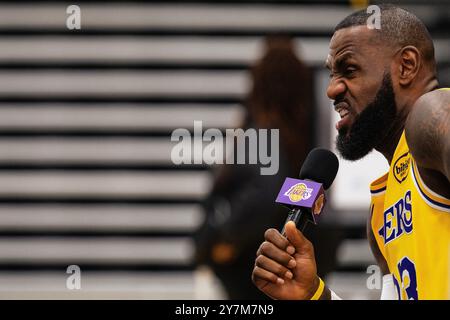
279,280
428,134
285,267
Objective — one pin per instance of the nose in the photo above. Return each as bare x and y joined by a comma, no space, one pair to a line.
336,87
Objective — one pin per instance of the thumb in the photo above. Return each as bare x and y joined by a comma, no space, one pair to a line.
297,239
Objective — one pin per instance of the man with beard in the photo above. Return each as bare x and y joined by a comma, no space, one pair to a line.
383,83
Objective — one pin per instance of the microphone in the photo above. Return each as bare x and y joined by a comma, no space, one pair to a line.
306,196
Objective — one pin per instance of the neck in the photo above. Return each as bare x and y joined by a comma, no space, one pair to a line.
388,145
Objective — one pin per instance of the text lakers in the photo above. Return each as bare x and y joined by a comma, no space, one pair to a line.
397,219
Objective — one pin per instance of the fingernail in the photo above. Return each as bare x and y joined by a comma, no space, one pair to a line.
292,263
290,250
289,275
280,281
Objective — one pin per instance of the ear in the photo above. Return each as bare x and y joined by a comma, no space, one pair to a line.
409,66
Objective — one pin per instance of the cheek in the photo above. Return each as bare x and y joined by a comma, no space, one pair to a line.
362,93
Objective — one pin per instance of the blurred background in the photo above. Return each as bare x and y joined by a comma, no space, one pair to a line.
86,117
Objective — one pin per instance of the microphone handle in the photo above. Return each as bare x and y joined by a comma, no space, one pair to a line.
299,216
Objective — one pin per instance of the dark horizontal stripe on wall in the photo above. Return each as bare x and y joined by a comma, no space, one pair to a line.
98,234
352,269
128,65
118,99
355,232
61,133
104,167
225,32
94,267
81,201
107,103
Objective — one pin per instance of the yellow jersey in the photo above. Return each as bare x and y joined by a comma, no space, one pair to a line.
411,225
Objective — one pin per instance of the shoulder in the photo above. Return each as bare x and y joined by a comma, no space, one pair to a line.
427,129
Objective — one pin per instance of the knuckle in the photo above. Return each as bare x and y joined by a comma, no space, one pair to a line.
286,259
260,249
280,270
265,246
269,234
309,246
258,252
254,274
257,273
259,260
273,277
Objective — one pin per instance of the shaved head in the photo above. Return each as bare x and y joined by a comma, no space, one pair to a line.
399,28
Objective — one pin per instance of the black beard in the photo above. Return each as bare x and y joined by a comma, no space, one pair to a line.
371,126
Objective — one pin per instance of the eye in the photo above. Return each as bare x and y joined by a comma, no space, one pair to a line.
349,71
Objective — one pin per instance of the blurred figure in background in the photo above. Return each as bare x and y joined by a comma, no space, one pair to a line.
241,205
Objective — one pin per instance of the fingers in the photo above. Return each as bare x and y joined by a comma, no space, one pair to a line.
274,236
280,256
298,240
259,273
273,261
270,265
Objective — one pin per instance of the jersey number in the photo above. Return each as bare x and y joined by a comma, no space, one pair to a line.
407,271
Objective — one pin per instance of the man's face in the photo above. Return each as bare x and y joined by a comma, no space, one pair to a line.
361,87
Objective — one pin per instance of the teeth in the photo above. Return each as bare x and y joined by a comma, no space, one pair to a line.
343,113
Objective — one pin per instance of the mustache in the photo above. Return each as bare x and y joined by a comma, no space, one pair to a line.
342,104
340,100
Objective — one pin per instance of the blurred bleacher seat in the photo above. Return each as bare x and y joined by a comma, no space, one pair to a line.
85,123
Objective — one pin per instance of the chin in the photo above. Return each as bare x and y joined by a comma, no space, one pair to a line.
344,132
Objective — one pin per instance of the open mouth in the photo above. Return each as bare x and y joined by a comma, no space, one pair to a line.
343,109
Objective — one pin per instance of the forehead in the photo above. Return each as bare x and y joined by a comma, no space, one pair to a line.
358,40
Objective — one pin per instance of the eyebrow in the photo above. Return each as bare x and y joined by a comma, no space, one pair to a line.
340,60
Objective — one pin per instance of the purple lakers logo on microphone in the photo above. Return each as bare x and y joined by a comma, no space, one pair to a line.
298,192
303,193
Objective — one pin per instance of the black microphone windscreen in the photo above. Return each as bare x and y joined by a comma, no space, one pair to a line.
321,165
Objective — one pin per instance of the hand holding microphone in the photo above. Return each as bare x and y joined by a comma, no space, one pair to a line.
285,266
